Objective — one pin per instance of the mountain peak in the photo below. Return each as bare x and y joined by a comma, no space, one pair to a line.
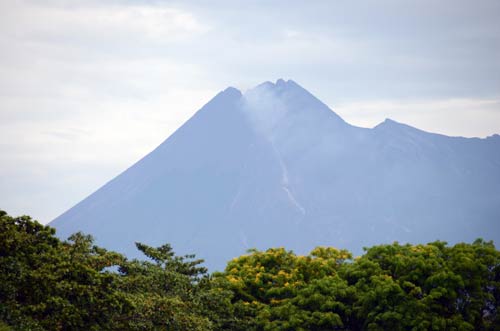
232,90
387,122
390,124
283,90
229,95
280,81
280,84
270,105
289,83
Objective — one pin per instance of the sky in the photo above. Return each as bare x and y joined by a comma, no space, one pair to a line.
87,88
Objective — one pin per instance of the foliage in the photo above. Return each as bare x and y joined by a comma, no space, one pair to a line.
46,284
391,287
49,284
427,286
171,292
278,290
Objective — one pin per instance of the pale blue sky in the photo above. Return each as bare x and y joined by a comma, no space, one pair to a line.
89,87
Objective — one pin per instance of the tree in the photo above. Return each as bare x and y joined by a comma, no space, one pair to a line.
46,284
172,292
420,287
278,290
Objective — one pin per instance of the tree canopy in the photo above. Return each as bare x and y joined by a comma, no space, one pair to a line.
50,284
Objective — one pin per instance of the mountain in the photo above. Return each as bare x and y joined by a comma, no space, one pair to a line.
276,167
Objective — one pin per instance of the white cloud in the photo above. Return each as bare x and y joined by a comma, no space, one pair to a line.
98,21
85,91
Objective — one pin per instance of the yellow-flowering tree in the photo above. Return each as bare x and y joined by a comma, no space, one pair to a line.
280,290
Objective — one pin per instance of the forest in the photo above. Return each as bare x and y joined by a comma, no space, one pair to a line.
52,284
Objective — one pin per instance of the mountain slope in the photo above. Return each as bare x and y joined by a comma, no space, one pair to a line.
277,167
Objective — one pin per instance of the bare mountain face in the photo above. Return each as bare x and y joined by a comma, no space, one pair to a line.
277,167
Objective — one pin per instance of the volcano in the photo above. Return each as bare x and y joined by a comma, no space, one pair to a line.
277,167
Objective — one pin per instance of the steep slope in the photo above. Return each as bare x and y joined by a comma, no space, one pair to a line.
276,167
176,190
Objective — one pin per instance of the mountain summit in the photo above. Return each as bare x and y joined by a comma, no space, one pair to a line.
276,167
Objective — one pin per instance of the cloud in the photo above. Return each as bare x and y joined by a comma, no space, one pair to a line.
91,21
86,89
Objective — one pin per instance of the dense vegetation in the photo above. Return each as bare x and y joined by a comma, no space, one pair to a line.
49,284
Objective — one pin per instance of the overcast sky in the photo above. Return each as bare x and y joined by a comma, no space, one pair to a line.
89,87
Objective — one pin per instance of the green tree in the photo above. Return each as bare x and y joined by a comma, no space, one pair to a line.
421,287
172,292
46,284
